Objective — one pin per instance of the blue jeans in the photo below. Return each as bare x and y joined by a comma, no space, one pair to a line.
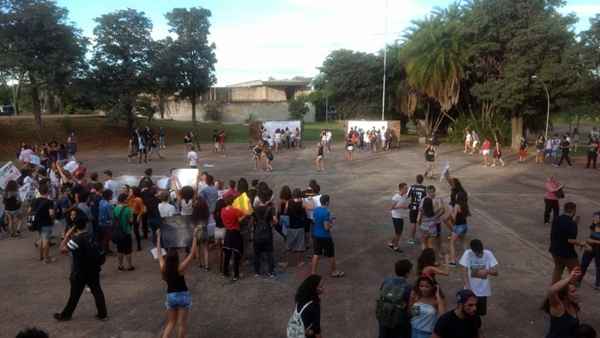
587,258
460,229
179,300
420,334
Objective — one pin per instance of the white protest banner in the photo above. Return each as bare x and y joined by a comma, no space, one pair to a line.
175,233
184,177
35,160
8,172
71,166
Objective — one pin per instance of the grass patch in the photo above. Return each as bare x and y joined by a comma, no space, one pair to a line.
96,133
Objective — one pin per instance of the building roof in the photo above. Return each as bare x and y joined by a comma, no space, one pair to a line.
300,82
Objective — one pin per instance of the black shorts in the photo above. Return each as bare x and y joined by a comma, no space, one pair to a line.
412,215
398,225
482,306
323,247
124,245
308,225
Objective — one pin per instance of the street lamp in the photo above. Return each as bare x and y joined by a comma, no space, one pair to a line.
535,77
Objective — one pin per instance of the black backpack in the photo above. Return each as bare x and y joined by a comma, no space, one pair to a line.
263,229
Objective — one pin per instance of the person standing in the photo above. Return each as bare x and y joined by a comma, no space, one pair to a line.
320,160
498,154
179,299
478,265
554,191
12,205
565,148
162,138
322,240
265,217
463,321
486,151
429,160
105,220
136,204
460,212
592,252
426,304
399,209
416,193
539,149
112,185
305,321
123,220
592,153
192,157
522,149
563,239
42,209
562,306
85,270
233,243
391,309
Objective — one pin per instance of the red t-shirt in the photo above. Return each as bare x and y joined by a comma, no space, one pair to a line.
486,145
230,217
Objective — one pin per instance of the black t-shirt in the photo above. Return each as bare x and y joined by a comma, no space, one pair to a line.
218,207
151,202
79,246
449,325
297,214
311,317
564,146
563,229
416,194
429,155
41,206
11,201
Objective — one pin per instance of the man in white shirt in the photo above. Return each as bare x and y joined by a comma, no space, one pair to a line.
192,157
399,210
112,185
165,208
478,264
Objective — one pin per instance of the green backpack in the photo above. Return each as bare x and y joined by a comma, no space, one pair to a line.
391,309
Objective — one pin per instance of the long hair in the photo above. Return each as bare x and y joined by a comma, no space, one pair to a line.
285,194
308,290
11,188
428,207
200,212
427,258
242,186
461,200
171,265
563,294
187,193
416,288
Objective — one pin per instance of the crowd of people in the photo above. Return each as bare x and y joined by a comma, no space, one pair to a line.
555,150
97,219
374,139
144,143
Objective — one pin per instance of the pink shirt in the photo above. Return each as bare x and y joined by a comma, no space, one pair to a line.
551,188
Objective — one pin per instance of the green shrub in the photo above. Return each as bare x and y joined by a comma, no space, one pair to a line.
500,126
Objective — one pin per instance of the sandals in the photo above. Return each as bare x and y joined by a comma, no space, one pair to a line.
337,274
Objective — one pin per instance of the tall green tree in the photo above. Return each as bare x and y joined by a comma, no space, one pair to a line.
163,74
434,58
195,62
39,46
121,61
352,82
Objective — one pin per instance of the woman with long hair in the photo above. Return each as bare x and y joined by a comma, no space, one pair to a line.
283,219
200,215
12,205
427,303
427,265
562,305
307,309
460,212
179,299
429,218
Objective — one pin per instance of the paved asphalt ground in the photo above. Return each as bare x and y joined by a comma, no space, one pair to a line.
507,205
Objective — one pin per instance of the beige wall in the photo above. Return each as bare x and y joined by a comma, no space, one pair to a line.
253,94
237,112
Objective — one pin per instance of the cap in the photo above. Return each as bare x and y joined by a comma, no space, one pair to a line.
463,295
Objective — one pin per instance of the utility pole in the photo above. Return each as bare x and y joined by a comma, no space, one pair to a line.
384,60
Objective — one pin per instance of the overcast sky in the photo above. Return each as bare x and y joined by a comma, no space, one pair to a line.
267,38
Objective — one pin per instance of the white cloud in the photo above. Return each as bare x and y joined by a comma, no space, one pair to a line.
296,41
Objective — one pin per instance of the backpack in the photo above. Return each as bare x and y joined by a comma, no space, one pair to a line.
117,235
262,228
391,309
295,328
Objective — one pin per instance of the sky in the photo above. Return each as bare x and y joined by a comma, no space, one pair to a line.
260,39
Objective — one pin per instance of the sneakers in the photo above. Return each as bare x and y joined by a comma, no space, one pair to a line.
102,319
452,264
60,317
411,242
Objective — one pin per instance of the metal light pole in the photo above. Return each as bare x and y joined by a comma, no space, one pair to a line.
384,60
535,77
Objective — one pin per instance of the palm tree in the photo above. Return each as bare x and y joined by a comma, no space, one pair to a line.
434,58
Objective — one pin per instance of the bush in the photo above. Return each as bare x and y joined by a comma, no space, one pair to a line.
298,108
500,126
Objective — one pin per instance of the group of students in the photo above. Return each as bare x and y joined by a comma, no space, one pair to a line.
144,143
490,151
281,138
371,139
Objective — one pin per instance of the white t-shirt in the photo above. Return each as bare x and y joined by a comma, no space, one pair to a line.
192,157
316,202
481,287
166,210
400,201
187,207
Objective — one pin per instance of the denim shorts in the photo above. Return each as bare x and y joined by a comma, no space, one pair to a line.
178,300
460,229
45,233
